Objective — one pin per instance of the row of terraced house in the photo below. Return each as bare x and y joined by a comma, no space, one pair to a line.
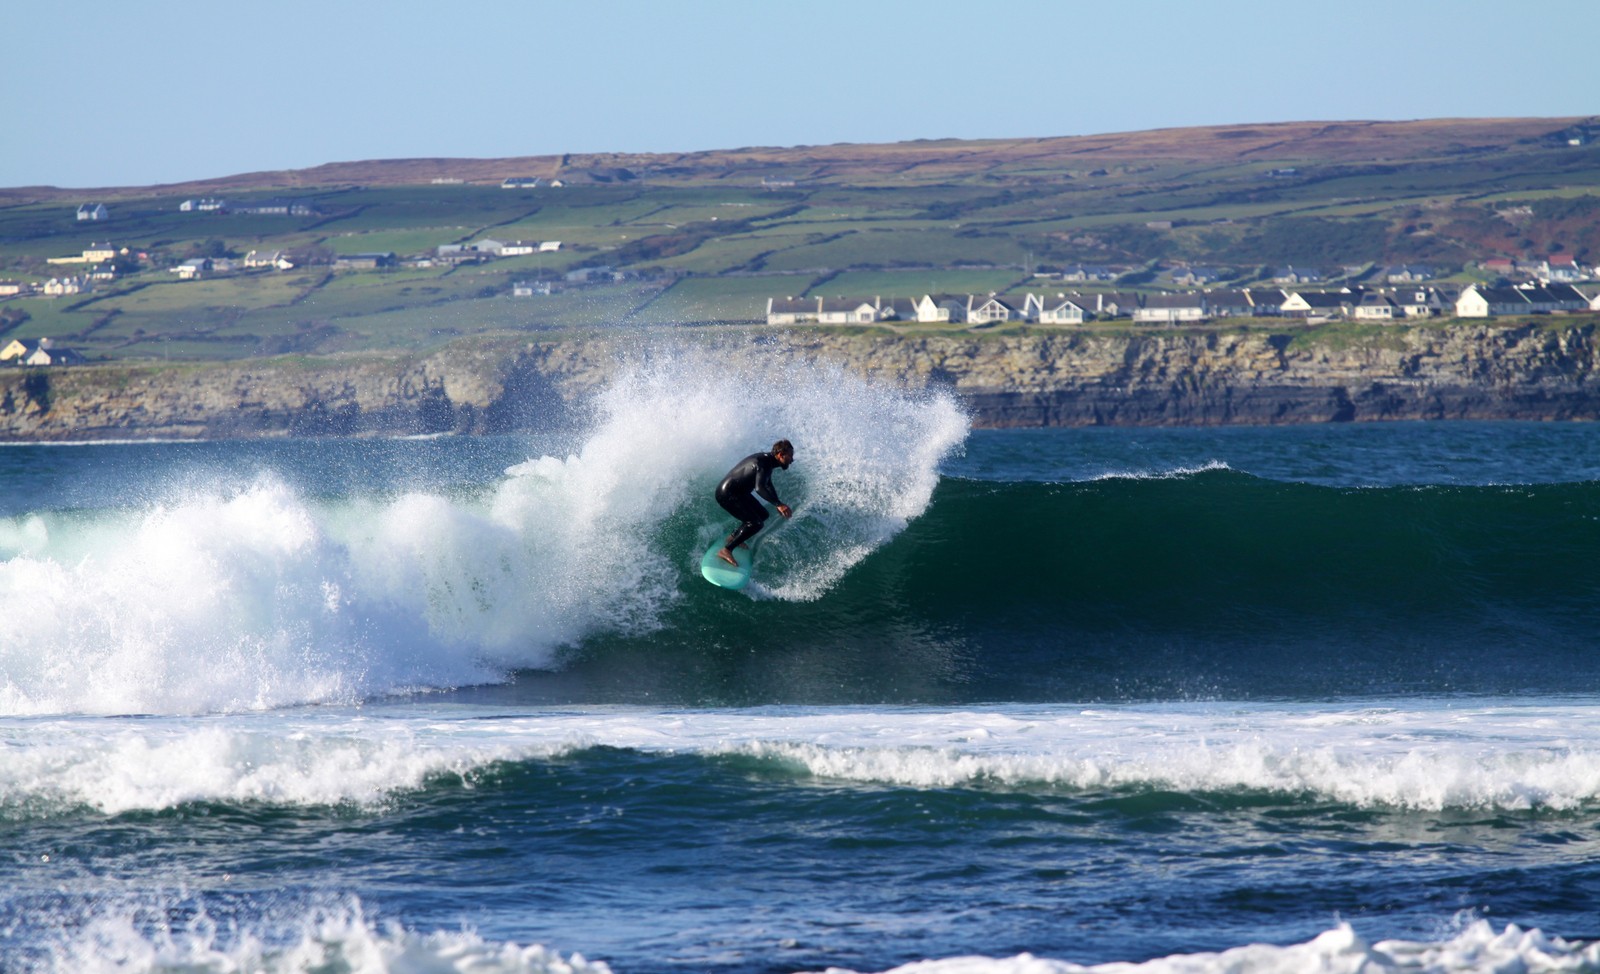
1072,308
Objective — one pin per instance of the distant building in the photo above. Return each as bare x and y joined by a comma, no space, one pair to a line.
991,309
1171,309
519,182
1317,304
205,205
192,269
93,211
1409,273
793,311
1059,310
847,311
1374,306
60,286
363,262
268,258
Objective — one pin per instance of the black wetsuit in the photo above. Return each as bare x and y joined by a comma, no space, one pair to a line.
750,476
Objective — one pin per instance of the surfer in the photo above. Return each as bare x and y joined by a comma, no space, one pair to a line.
736,494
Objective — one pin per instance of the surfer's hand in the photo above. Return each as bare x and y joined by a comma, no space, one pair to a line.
785,511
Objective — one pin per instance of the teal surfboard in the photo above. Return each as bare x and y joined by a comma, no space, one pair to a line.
719,572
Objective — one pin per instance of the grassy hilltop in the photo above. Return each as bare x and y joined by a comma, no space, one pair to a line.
705,238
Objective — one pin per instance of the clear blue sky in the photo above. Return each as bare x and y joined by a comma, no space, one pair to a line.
117,92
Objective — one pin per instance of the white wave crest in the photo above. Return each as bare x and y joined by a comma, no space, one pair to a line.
1501,757
1478,949
340,939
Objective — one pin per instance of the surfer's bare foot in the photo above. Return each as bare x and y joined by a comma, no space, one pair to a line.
727,556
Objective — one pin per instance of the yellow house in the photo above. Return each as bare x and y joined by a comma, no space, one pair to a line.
19,349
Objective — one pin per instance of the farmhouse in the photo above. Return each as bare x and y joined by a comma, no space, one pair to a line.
93,211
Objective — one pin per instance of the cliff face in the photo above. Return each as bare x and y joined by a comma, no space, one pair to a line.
1069,378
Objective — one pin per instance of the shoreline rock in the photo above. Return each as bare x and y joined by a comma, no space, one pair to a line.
1203,377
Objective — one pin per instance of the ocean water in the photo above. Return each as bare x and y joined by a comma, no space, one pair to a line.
1237,700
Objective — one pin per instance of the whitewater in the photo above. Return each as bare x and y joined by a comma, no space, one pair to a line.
1027,701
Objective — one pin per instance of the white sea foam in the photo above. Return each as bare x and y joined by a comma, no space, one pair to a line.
223,598
320,939
1406,757
1478,949
341,938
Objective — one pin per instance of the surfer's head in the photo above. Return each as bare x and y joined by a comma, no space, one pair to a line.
783,450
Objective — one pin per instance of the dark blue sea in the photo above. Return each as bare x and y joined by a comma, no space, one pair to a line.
997,702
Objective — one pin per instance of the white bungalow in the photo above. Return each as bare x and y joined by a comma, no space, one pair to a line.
792,311
93,211
1312,304
982,311
944,308
1480,301
1417,302
1059,310
847,311
1170,309
1374,307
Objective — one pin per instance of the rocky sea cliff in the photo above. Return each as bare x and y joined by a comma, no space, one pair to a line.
1543,370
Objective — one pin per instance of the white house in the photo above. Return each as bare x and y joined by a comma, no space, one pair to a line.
1058,310
264,258
987,310
1417,302
517,249
93,211
48,354
1170,309
847,311
1311,304
191,269
792,311
1562,268
17,349
1480,301
943,308
59,286
11,288
1374,306
549,246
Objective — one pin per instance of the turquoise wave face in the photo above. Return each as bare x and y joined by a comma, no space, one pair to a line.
1195,585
